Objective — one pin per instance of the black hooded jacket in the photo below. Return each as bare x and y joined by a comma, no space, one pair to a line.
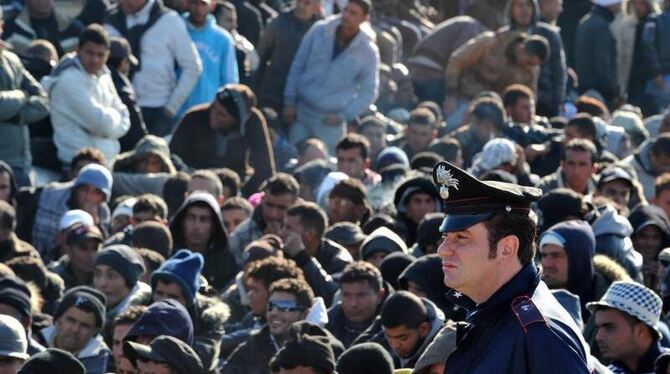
220,266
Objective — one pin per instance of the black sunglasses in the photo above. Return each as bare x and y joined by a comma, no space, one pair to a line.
285,306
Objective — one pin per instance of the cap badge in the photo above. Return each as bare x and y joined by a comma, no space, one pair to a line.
445,179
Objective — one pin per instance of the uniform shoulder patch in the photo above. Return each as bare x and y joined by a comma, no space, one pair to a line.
526,312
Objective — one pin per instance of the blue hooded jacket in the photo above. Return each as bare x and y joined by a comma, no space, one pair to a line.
166,317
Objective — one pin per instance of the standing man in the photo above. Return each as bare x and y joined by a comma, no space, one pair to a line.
333,77
22,101
159,39
86,110
277,47
514,325
596,53
217,53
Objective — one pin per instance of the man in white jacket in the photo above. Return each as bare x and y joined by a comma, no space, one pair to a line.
87,111
159,39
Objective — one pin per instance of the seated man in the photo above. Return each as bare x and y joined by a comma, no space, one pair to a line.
409,325
179,278
40,209
198,226
164,352
348,202
258,276
78,321
311,354
289,301
362,294
120,327
228,132
116,273
82,244
379,244
627,318
616,184
413,199
353,159
234,211
86,111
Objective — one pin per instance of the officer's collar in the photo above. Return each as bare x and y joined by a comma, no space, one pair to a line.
523,283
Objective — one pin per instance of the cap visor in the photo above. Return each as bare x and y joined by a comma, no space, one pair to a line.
453,223
135,351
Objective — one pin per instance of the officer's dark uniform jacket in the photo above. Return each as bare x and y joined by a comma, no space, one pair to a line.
520,329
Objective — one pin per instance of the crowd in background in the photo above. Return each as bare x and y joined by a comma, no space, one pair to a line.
245,186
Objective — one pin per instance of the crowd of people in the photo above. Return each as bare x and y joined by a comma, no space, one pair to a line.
259,186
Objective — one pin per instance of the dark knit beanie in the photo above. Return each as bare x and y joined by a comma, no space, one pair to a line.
53,360
183,268
85,298
428,231
306,350
365,358
15,293
393,265
125,260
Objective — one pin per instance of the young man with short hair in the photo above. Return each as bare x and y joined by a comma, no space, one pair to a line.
289,301
279,193
578,167
82,244
78,322
119,329
83,116
409,324
353,159
420,133
362,294
234,211
348,202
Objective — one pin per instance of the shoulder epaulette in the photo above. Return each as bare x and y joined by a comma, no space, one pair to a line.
526,312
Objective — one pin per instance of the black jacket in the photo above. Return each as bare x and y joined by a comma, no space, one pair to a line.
595,54
127,94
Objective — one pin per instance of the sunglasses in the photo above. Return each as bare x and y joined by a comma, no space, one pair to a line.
285,306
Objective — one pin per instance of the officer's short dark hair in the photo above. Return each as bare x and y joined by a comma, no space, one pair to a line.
7,216
515,92
362,271
312,217
403,308
520,225
537,45
581,145
297,287
96,34
151,203
584,123
272,269
281,184
353,140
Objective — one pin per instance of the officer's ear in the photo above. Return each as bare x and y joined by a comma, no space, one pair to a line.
508,247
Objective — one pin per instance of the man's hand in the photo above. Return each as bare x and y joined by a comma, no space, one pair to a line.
292,243
289,114
332,119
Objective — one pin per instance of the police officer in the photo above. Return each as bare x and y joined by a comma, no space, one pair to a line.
514,324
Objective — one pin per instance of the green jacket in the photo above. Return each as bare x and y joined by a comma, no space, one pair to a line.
22,101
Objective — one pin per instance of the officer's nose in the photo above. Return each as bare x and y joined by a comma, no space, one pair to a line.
446,248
